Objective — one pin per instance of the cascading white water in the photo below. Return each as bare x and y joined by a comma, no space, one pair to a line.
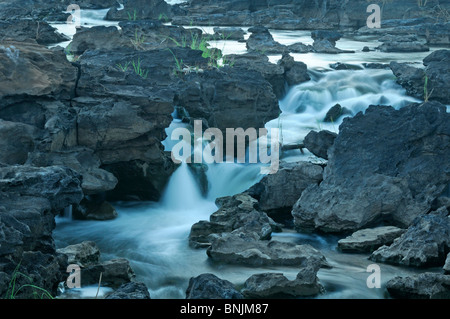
153,236
183,191
305,105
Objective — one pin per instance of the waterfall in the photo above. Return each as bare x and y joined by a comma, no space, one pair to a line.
182,191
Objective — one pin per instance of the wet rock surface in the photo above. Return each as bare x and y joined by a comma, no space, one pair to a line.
368,240
209,286
424,244
272,285
422,286
392,181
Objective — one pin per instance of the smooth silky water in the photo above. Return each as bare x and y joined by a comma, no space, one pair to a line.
153,236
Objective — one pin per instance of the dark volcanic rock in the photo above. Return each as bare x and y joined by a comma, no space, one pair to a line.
395,43
286,71
367,240
433,80
30,198
438,72
114,273
335,112
384,166
295,72
425,243
235,212
256,61
218,96
93,209
411,78
320,142
261,40
308,15
271,285
209,286
59,185
422,286
130,290
280,191
139,35
83,254
30,69
21,30
325,42
25,139
245,248
232,33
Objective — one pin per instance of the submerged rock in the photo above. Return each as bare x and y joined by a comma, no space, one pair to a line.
368,240
424,244
423,286
385,166
209,286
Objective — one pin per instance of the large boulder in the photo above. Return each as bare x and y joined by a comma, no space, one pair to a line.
277,193
219,95
235,212
29,69
209,286
245,248
422,286
320,142
112,273
386,166
272,285
286,71
424,244
429,83
83,254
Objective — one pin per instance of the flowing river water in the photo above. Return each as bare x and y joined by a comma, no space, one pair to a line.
153,236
